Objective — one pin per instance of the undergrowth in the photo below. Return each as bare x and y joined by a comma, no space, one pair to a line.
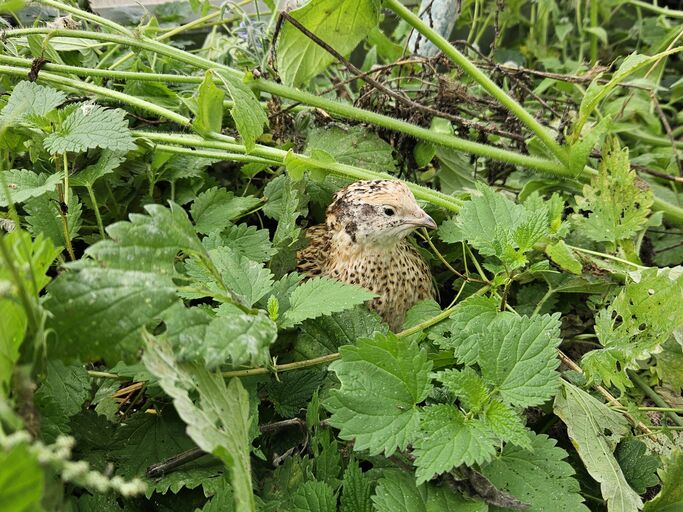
158,350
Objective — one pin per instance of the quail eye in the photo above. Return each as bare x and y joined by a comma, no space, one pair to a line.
389,212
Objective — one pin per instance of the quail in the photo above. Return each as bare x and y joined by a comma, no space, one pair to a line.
363,242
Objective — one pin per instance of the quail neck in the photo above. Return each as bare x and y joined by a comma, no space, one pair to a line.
363,242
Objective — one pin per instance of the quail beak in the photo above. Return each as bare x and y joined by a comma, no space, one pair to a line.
423,221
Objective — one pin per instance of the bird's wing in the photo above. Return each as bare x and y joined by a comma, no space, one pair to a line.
312,257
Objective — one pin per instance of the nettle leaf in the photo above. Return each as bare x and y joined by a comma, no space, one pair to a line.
496,226
643,316
461,331
670,498
382,381
24,184
313,496
322,296
519,356
617,203
91,126
219,422
148,242
595,430
60,396
397,492
292,391
99,312
216,208
356,490
209,106
247,112
342,24
640,468
506,424
233,337
30,99
538,476
325,334
353,145
45,216
245,240
107,163
284,204
564,257
467,386
448,439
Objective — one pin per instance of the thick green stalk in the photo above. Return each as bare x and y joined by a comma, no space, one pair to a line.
480,77
671,13
99,20
331,106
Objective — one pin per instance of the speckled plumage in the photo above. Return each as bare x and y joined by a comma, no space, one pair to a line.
363,242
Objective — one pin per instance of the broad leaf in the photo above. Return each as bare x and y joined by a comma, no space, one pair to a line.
209,106
382,381
216,208
538,476
448,439
107,163
356,490
219,422
670,498
246,111
22,482
595,430
24,184
342,24
322,296
29,99
91,126
313,497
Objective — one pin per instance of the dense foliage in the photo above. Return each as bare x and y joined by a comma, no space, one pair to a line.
156,182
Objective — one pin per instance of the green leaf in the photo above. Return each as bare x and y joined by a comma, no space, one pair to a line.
145,439
670,498
322,296
498,227
284,204
579,152
32,257
382,381
313,497
448,439
640,468
21,480
643,316
99,312
60,396
91,126
356,490
467,386
353,145
397,492
236,338
247,112
538,476
595,430
216,208
245,240
219,422
45,216
148,242
292,391
28,99
107,163
617,203
24,184
209,106
506,424
342,24
13,323
461,331
419,313
325,334
562,255
519,356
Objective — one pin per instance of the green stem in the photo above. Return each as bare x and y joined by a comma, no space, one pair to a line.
19,283
606,256
331,106
481,78
594,24
671,13
96,207
652,395
218,155
65,163
104,22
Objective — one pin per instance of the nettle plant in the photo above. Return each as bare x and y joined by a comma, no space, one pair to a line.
159,351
